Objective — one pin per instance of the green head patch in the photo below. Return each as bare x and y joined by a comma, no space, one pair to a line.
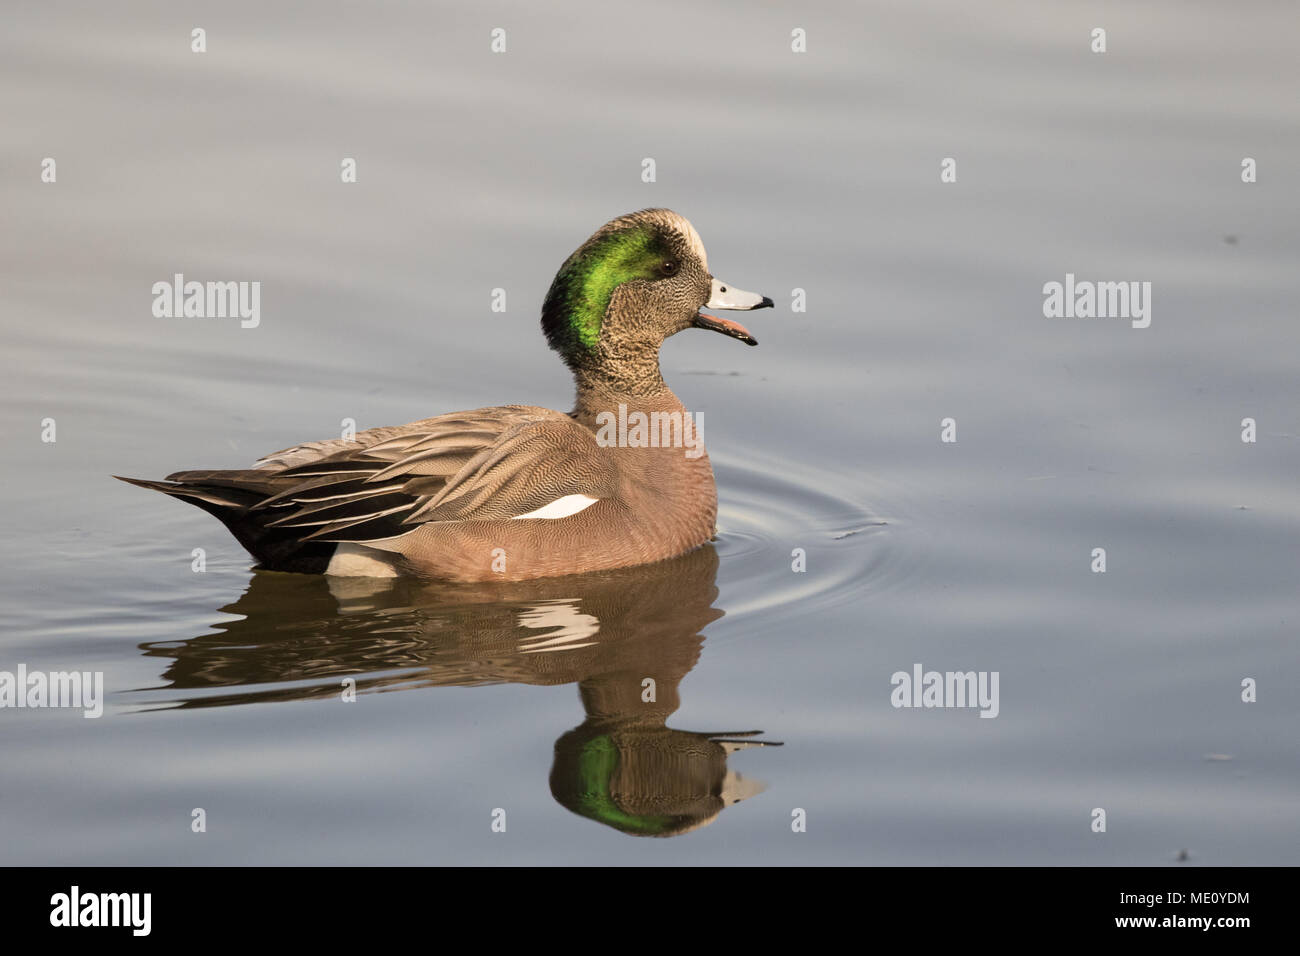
579,297
596,767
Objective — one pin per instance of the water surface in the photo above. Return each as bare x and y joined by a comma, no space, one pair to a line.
817,172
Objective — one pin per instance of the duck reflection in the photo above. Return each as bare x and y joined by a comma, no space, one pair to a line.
625,637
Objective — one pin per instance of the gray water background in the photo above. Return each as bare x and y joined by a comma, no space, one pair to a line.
817,171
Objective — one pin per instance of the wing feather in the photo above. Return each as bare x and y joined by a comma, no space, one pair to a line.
487,464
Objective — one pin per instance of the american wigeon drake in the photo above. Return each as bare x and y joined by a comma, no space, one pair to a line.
515,491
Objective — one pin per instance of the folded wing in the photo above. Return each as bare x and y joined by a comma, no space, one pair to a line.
489,464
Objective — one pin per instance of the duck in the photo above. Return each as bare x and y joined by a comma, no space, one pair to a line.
515,492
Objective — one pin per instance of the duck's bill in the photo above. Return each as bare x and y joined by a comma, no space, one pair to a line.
725,296
728,297
726,327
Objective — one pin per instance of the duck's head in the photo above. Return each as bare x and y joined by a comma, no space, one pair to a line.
639,279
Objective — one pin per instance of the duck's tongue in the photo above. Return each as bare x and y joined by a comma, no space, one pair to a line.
726,327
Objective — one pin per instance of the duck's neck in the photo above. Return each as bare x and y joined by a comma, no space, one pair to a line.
595,398
633,380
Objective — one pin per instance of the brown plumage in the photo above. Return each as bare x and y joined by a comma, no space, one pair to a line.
510,492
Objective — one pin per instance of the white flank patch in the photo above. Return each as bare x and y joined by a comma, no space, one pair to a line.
561,507
357,561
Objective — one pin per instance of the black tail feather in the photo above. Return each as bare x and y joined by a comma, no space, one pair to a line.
230,499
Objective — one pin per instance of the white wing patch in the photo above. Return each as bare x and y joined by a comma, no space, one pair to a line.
573,627
561,507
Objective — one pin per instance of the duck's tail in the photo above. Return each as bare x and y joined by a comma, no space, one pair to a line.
230,496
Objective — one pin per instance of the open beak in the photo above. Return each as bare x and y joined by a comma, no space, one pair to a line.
729,297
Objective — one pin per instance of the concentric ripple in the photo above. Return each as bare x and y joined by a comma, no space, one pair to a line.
775,518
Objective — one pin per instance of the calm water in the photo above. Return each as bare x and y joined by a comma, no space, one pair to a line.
818,171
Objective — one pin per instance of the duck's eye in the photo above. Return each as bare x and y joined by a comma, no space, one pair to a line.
670,267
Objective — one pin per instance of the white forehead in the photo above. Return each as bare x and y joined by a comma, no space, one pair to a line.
680,224
697,244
